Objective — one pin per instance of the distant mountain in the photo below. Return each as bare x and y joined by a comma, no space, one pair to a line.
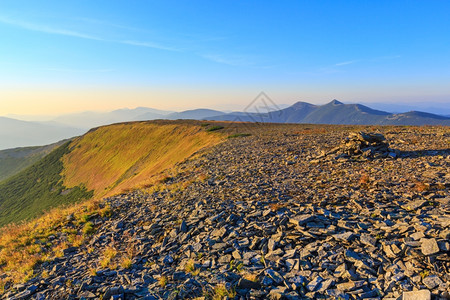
417,118
195,114
437,108
16,133
90,119
12,161
336,112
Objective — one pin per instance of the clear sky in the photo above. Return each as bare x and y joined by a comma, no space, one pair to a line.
62,56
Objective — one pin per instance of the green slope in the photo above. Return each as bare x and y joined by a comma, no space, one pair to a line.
36,189
12,161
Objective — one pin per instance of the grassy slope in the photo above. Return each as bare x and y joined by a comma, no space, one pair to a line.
36,189
135,150
105,161
119,157
12,161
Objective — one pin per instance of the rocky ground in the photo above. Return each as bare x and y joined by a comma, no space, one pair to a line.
280,214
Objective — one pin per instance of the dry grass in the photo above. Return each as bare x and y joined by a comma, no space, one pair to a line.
364,179
126,262
24,246
109,160
120,157
190,268
163,281
93,272
108,255
421,186
220,292
276,206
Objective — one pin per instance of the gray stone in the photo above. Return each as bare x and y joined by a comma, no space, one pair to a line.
248,284
367,239
224,259
429,246
183,226
414,205
417,295
432,281
277,293
346,236
314,284
301,219
275,276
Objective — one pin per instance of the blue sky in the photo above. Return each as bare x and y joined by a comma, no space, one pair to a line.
61,56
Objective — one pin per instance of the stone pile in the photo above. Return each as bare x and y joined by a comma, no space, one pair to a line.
262,218
366,145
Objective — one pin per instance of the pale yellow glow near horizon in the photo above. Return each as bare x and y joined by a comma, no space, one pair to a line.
57,101
60,101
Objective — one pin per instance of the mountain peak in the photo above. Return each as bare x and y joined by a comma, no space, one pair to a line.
335,102
301,104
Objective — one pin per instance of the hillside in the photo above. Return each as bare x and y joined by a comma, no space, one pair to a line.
37,188
104,161
12,161
278,214
16,133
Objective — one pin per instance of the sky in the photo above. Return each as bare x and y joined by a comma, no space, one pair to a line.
68,56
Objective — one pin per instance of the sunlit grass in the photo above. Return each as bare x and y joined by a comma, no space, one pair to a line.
24,246
120,157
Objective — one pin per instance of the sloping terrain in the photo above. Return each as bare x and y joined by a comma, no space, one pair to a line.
336,112
12,161
268,216
37,188
105,161
119,157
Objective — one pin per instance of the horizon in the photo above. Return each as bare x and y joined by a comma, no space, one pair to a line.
68,57
432,108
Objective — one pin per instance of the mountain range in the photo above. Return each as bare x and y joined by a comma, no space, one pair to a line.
17,133
336,112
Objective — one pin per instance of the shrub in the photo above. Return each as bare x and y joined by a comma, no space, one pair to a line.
236,135
214,128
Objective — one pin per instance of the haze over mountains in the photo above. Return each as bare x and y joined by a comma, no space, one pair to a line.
336,112
17,133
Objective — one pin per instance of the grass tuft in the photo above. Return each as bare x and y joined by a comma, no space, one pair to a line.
88,228
126,262
163,281
220,292
190,268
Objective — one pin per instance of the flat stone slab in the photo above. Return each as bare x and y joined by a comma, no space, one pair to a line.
417,295
429,246
413,205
